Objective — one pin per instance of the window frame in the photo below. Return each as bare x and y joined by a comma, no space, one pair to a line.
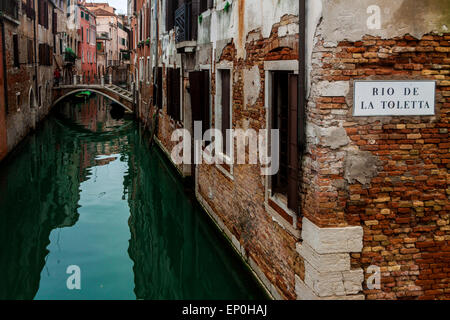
269,199
223,157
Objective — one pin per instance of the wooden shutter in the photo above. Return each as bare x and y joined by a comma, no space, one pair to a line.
199,92
168,91
173,93
169,14
46,14
16,50
41,50
30,51
40,10
54,22
293,144
140,26
226,96
23,52
149,26
157,87
203,5
176,94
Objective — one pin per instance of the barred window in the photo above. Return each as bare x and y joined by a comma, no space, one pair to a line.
10,8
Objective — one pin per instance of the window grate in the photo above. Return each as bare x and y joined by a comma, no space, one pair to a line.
183,23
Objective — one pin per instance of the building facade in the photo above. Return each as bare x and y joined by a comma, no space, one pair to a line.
32,42
359,206
87,48
112,42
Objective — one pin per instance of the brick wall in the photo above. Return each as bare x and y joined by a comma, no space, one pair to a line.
238,201
402,200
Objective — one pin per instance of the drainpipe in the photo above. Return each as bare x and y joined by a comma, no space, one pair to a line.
301,85
5,73
155,73
36,93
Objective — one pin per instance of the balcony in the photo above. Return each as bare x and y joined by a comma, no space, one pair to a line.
10,9
112,63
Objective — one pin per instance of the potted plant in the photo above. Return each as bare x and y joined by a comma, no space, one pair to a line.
227,7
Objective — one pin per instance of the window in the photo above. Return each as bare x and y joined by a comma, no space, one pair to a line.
170,14
141,69
157,87
18,101
29,9
203,5
16,50
173,93
223,117
45,54
282,115
40,96
43,13
200,102
30,53
149,70
54,22
10,8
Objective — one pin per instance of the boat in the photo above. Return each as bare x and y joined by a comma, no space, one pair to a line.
84,94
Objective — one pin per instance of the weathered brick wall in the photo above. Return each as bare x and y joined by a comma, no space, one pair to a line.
239,201
401,197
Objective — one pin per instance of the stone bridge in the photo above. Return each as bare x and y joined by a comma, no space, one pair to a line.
112,92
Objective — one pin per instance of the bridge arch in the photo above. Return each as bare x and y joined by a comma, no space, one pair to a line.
74,91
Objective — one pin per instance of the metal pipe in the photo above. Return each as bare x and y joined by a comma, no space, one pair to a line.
5,73
36,84
301,86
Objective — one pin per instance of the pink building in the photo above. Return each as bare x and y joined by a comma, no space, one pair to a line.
87,50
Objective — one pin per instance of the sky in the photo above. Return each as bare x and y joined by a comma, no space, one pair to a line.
120,5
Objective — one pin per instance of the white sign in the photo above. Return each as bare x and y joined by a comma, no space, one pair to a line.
394,98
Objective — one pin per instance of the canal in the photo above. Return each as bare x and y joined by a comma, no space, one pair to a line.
85,190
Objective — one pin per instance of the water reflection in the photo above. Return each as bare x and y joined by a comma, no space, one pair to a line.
86,190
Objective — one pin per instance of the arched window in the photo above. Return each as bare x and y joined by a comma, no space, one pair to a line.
31,99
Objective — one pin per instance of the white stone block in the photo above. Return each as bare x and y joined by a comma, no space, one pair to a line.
303,292
333,89
332,240
324,262
338,283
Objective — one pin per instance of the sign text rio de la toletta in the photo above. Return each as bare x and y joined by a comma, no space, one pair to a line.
394,98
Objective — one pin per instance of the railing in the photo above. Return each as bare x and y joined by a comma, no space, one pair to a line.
113,63
183,22
10,8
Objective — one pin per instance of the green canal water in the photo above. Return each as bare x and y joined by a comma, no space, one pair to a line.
86,190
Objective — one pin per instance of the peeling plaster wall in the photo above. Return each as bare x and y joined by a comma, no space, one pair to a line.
338,20
387,175
243,17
